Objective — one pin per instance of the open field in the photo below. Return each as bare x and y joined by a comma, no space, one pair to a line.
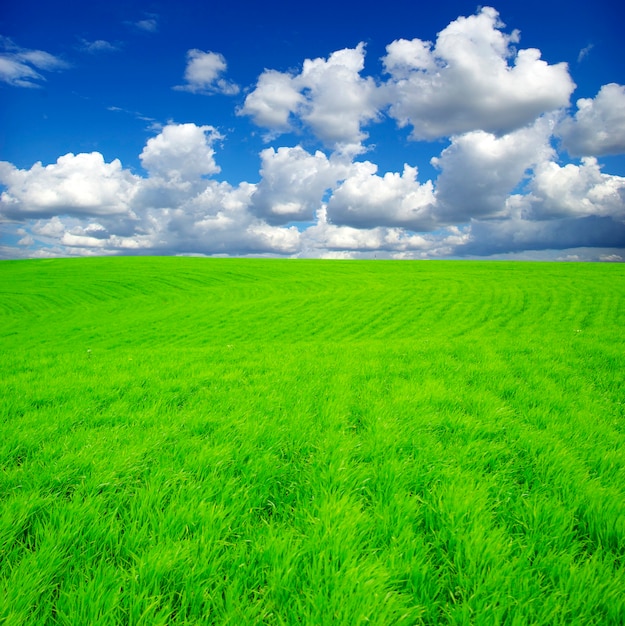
199,441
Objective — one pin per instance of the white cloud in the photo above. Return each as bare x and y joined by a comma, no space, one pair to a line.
17,73
404,56
83,241
574,191
204,74
479,170
81,204
174,208
76,235
501,188
218,221
181,152
21,67
293,183
598,127
339,100
471,79
81,184
328,96
273,101
365,199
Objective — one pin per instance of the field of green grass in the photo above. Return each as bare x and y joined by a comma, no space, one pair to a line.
221,441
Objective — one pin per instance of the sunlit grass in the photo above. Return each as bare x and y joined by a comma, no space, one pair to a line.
199,441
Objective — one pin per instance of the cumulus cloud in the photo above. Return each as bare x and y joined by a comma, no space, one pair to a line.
366,200
293,183
181,152
500,187
203,74
218,221
328,96
570,206
598,127
81,204
471,79
82,184
177,161
339,100
21,67
272,102
479,170
78,235
574,191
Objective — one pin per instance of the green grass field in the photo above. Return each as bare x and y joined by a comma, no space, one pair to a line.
221,441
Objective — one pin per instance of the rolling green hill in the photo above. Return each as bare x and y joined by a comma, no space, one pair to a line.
223,441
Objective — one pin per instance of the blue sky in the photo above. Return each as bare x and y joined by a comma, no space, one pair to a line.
343,129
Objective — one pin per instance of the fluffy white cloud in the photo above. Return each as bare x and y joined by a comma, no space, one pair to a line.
78,187
272,102
339,100
21,67
329,96
500,189
574,191
598,127
293,183
203,74
479,170
466,82
181,152
366,200
81,184
471,79
218,221
174,208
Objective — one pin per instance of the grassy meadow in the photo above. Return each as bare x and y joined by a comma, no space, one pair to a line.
227,441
